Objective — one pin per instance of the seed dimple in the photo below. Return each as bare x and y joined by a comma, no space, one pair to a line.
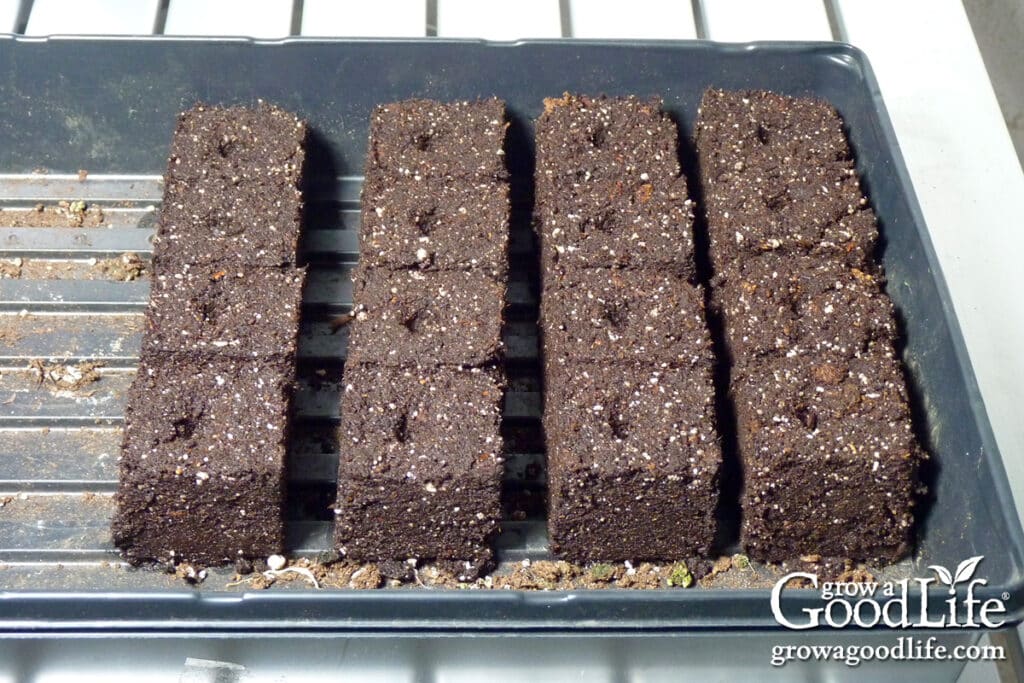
402,428
619,426
424,221
411,322
808,417
615,314
424,141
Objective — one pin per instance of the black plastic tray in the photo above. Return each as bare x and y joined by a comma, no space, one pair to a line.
108,106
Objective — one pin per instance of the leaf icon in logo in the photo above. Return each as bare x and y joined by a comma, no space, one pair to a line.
965,569
944,575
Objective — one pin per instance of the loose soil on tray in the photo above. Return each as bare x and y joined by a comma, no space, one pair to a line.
124,268
66,377
727,572
63,214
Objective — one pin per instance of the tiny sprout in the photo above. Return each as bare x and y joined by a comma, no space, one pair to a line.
680,576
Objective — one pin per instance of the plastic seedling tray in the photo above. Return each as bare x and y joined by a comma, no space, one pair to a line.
108,107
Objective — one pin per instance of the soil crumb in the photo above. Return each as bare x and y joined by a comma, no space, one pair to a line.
189,573
11,268
124,268
66,377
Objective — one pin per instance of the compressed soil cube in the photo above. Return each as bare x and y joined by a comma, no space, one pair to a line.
830,458
778,175
241,312
627,140
429,139
421,464
793,304
411,317
232,189
203,460
600,223
633,462
434,224
633,315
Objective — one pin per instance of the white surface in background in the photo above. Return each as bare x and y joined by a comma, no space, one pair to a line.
92,16
499,19
742,20
255,19
636,19
380,18
8,15
999,29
